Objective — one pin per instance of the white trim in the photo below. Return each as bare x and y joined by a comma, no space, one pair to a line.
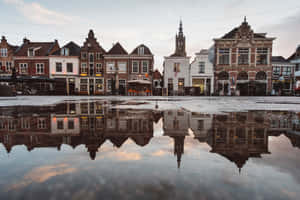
138,67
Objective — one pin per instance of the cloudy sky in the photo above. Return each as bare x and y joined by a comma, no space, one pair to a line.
151,22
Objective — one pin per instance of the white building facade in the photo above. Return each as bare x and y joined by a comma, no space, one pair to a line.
177,68
64,68
202,73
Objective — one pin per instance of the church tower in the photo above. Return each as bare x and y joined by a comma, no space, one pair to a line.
180,43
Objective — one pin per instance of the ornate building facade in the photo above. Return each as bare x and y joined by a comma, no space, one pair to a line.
6,57
243,63
91,67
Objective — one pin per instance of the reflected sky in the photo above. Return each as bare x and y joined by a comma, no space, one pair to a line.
147,155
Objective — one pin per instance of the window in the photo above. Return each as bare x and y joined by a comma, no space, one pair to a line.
262,56
91,69
64,52
224,56
41,124
71,124
83,85
176,67
60,124
297,67
58,67
91,55
98,68
243,56
135,67
286,71
2,124
200,125
83,55
98,56
145,66
201,67
83,68
69,67
30,52
25,123
110,67
8,66
23,68
141,50
40,68
276,70
122,66
3,52
99,84
122,83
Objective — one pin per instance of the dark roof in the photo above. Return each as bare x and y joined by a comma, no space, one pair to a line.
278,59
74,49
117,49
43,48
146,50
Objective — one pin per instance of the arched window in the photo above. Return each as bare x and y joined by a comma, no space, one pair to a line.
261,76
242,76
223,75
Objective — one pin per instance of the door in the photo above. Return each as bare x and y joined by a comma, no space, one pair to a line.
71,86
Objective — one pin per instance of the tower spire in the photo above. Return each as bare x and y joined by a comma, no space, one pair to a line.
180,27
245,19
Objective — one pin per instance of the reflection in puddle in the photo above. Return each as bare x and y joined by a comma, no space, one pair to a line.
93,126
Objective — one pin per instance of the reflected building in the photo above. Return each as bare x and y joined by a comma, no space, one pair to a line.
201,125
240,136
84,123
176,124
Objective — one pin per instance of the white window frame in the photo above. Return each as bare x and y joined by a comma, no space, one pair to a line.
29,50
138,67
21,68
4,52
110,67
56,63
84,66
141,50
40,66
98,65
145,61
120,64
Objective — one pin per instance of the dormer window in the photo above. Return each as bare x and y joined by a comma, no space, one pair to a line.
141,50
65,52
31,52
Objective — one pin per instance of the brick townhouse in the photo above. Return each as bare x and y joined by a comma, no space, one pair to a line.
32,64
243,63
6,57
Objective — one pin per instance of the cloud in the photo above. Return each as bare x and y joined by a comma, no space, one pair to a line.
36,13
286,33
42,174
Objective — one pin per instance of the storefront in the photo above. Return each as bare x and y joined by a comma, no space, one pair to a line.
139,88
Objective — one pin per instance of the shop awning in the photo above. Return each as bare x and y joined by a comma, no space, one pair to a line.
143,82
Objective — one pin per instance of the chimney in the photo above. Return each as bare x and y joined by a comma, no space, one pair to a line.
3,39
26,41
